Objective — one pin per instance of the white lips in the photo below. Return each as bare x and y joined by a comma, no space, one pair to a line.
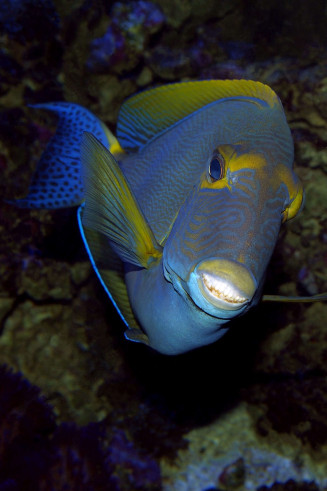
221,289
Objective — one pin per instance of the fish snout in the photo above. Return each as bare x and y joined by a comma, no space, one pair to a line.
221,284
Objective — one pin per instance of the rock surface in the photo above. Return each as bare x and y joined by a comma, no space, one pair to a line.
246,413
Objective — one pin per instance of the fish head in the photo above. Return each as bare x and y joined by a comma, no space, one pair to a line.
224,234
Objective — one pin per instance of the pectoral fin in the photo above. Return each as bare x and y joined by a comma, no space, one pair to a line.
320,297
111,208
110,271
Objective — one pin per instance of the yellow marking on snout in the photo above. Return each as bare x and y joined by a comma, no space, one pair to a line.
274,176
295,189
270,176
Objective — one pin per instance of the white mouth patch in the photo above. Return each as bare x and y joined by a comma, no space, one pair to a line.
221,289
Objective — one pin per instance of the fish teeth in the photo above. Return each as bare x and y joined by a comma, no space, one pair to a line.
221,289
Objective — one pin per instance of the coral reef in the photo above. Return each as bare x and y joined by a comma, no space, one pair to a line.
20,20
124,41
247,413
291,486
37,454
79,460
26,423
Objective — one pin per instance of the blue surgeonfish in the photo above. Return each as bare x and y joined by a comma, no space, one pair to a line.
181,212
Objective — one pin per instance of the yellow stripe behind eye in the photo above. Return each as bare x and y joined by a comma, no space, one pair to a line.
247,161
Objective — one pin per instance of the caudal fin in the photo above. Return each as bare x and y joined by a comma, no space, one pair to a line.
57,181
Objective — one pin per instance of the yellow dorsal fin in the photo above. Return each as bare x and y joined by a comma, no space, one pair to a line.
148,113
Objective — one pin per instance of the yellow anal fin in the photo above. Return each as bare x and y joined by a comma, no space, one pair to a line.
111,208
110,271
137,336
320,297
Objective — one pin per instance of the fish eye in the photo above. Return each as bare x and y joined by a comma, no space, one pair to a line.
216,167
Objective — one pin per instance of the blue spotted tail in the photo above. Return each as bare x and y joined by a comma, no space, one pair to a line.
57,181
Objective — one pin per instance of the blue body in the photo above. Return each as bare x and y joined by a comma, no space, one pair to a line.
210,186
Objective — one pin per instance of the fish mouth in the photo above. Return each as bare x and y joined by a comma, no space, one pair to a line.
221,289
221,285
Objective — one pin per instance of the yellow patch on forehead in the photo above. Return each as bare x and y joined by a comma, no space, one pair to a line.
234,161
254,161
236,158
